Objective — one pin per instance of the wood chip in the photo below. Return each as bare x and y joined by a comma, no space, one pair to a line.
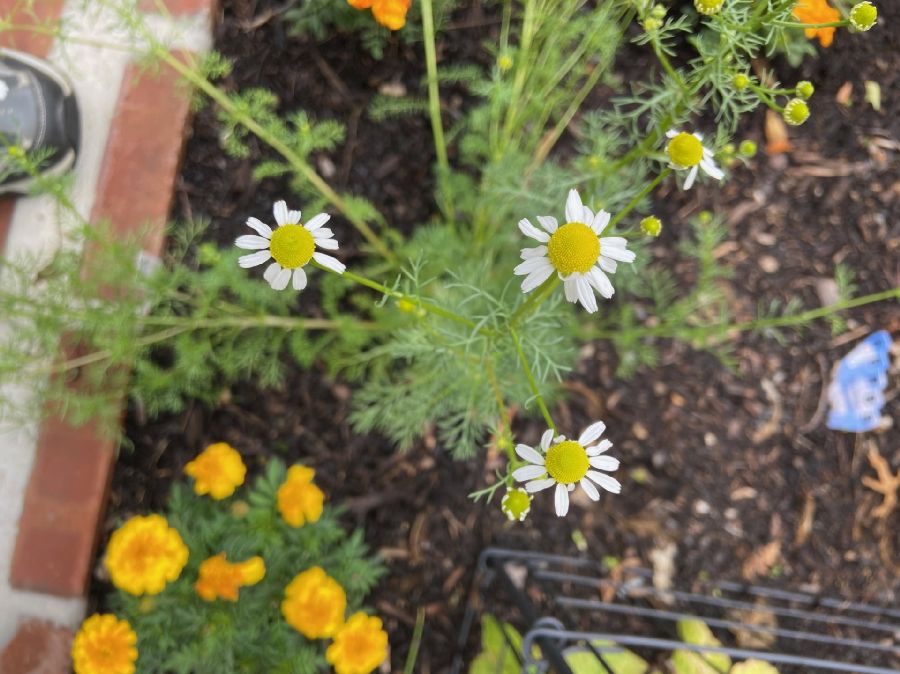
804,526
761,560
887,483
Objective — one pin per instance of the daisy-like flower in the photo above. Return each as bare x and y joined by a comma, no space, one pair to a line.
686,153
291,246
565,463
575,251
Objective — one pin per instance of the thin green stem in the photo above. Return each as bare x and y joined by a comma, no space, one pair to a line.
534,301
532,383
639,197
419,630
434,99
795,24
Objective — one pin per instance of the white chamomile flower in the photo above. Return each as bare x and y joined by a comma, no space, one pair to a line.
291,246
565,463
687,153
575,251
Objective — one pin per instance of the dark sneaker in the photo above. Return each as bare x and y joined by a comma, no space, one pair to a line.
38,113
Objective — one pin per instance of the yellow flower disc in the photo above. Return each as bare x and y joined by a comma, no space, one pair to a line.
299,500
218,470
292,246
359,647
573,248
220,579
516,504
567,462
685,150
796,112
314,604
104,645
144,554
708,7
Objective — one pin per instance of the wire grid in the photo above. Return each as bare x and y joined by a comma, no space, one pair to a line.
566,604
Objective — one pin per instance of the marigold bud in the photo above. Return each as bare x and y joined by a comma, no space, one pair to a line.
709,7
741,81
805,89
796,112
863,16
651,225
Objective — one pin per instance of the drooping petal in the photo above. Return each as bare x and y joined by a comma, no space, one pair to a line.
591,433
255,259
691,177
709,166
546,439
271,272
530,454
590,489
527,253
281,279
562,500
530,230
599,448
607,463
280,210
329,262
574,207
586,294
251,242
327,244
548,222
526,473
261,228
601,220
608,482
536,278
317,221
539,485
601,282
299,280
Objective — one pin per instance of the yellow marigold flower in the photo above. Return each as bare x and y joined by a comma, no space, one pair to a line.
144,554
817,11
299,500
217,471
359,647
104,645
314,604
391,13
220,579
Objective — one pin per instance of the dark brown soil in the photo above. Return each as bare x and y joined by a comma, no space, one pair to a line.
732,460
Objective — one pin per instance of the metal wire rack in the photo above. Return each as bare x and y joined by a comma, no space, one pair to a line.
565,605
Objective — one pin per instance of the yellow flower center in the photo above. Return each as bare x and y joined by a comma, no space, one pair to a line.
685,150
292,246
516,504
567,462
573,248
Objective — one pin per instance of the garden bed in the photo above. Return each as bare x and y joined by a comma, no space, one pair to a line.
735,467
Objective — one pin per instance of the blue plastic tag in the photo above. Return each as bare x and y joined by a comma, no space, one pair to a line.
857,392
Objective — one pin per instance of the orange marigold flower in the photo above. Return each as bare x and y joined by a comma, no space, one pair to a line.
359,646
817,11
314,604
217,471
360,4
104,645
220,579
391,13
144,554
299,500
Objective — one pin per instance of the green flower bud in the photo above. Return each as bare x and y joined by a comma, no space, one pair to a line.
747,148
709,7
658,12
651,24
504,63
516,504
796,112
805,89
651,225
863,16
741,81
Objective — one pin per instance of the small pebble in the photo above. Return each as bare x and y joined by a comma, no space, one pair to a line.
768,264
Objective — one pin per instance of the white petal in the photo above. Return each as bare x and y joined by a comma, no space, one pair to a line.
262,228
539,485
322,233
299,280
590,489
601,220
255,259
527,253
691,177
591,433
281,279
271,272
329,262
607,463
317,221
327,244
587,216
530,454
586,294
546,439
616,253
560,438
293,217
530,230
574,208
548,222
562,500
601,282
671,133
599,448
526,473
251,242
709,166
280,211
536,278
571,288
530,265
606,481
607,264
698,136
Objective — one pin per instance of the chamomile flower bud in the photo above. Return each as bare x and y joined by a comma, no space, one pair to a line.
516,505
863,16
658,12
796,112
740,81
805,89
709,7
651,24
410,307
504,63
747,148
651,225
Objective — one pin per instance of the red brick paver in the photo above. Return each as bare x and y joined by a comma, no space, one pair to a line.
37,648
7,206
176,7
